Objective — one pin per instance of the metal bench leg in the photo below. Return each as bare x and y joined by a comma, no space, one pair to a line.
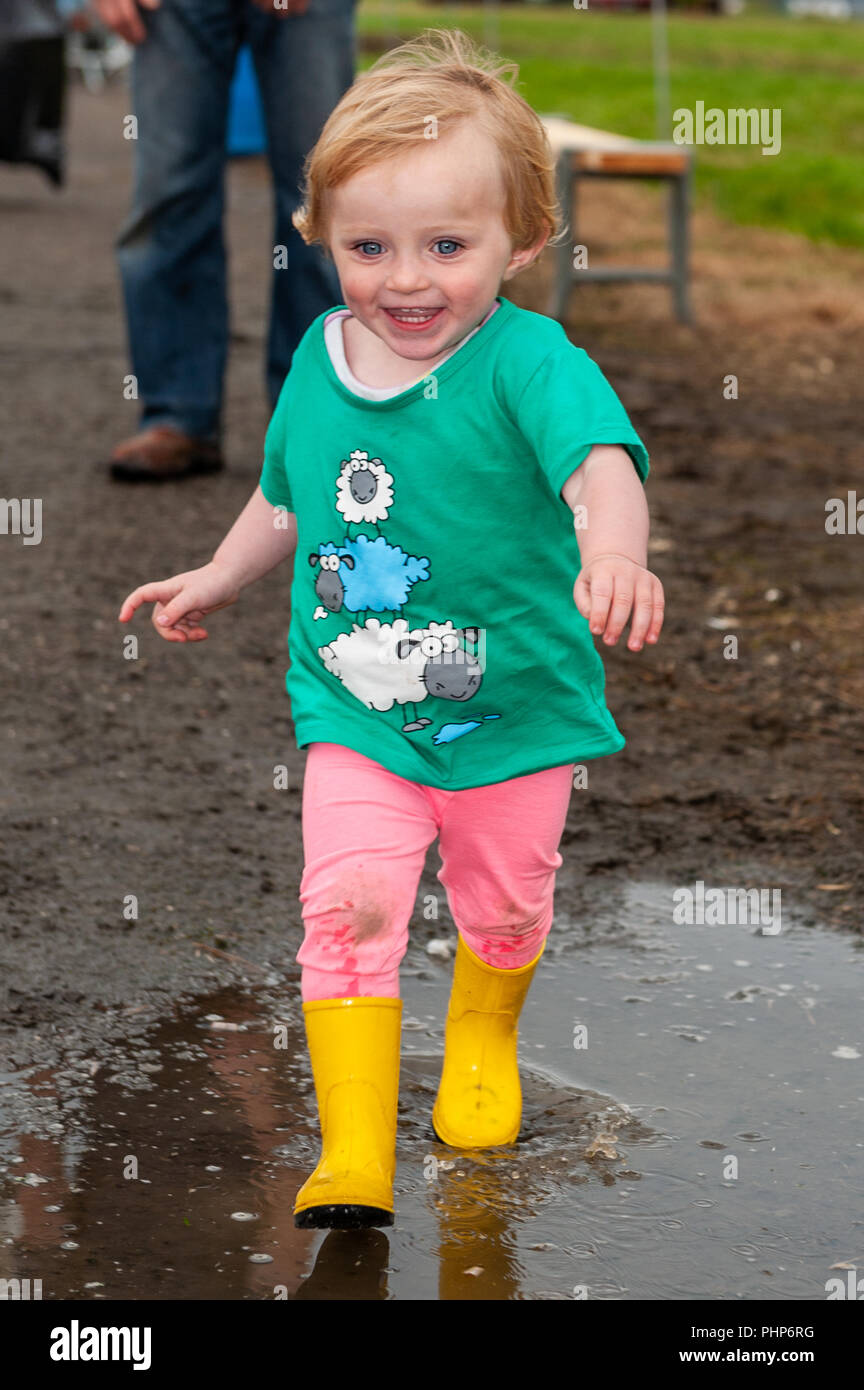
563,252
679,210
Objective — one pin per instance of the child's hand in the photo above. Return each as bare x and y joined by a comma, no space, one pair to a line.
608,588
180,603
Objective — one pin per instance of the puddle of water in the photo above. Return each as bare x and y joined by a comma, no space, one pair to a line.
707,1143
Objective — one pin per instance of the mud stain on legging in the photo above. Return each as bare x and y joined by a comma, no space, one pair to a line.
367,914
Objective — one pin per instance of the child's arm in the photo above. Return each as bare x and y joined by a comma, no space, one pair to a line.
253,546
613,545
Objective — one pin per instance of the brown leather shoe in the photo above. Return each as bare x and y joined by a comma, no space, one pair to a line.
162,453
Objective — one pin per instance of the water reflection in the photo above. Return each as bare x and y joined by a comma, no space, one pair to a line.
174,1186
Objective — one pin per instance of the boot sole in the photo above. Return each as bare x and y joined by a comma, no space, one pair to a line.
342,1217
135,473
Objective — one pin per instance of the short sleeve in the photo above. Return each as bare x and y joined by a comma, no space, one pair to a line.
566,407
274,476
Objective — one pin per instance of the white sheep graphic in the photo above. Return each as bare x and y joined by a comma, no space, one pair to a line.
387,664
364,489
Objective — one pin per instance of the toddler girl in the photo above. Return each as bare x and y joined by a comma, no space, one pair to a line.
433,454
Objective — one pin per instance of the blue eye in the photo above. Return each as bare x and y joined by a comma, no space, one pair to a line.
363,246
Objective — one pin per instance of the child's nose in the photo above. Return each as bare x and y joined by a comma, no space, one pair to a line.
407,276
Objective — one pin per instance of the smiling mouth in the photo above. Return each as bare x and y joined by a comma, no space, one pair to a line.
413,318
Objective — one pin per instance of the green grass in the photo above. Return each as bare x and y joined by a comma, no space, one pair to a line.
597,69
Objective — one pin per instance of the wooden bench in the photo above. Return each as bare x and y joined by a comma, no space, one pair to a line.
585,153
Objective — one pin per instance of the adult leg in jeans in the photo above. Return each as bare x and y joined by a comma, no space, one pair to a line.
171,250
304,64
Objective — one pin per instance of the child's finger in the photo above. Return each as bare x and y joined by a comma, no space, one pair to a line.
582,596
180,606
602,589
185,633
175,633
659,609
622,603
172,634
192,628
643,612
157,592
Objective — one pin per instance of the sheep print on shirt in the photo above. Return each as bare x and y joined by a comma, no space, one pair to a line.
433,626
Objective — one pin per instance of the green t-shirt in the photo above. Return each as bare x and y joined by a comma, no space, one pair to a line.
433,626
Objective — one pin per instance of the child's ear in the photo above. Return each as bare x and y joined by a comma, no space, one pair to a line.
520,260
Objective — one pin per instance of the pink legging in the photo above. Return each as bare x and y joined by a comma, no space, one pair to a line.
365,836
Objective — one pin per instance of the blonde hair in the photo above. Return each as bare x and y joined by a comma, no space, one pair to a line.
445,76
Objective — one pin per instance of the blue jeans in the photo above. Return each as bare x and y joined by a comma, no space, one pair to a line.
171,248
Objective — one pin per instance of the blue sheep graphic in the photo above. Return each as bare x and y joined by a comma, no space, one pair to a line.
365,576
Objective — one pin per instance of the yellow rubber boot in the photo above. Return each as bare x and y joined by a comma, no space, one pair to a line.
479,1100
354,1048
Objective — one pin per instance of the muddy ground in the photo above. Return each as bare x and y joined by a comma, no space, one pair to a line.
155,777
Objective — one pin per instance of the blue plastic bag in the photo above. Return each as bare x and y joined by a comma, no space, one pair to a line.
246,134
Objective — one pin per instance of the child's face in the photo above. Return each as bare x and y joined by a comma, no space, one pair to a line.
425,231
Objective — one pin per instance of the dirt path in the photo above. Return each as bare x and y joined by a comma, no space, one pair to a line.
155,777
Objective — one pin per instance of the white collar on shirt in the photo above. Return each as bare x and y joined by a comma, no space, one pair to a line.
335,345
